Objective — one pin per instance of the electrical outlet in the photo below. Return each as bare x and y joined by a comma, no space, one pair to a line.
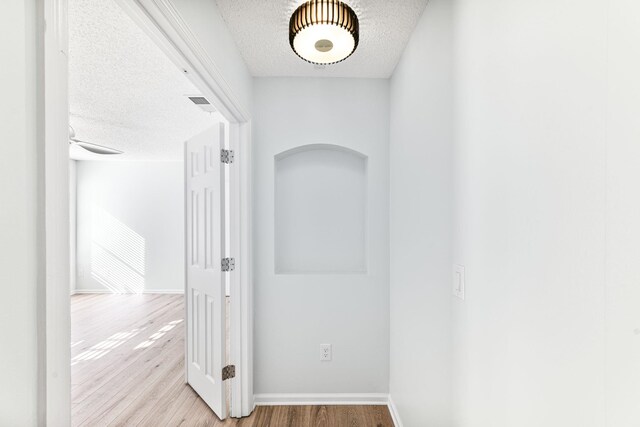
325,352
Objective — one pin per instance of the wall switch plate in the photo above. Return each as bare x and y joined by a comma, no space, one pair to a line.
458,281
325,352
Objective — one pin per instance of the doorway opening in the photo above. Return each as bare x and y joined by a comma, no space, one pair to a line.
131,112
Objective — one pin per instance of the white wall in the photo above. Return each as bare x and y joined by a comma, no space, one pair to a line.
295,313
130,233
19,266
421,202
622,227
547,203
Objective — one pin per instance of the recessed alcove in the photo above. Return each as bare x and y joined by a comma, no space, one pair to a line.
320,211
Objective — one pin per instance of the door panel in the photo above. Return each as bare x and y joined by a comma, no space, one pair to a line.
205,291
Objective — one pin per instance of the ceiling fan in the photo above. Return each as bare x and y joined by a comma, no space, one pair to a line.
94,148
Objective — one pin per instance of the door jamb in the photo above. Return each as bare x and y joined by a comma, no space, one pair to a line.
53,311
161,21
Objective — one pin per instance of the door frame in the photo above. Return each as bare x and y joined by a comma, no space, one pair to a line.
161,21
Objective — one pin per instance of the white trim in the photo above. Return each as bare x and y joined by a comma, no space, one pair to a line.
186,263
244,179
279,399
395,416
53,311
241,290
146,291
235,291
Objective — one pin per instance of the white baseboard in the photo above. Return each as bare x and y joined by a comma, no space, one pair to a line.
146,291
394,413
272,399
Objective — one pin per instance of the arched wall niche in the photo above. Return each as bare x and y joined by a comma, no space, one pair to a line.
320,210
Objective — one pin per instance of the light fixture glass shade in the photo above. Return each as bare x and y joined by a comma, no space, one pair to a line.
324,31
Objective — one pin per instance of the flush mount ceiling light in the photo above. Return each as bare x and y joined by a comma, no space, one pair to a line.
324,31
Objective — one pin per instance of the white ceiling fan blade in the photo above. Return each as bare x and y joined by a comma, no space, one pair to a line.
95,148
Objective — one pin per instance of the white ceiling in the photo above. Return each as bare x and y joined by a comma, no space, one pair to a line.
261,31
123,90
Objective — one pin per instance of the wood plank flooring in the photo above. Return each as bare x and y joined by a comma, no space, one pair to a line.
127,369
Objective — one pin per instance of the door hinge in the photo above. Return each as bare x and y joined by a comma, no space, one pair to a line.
228,371
226,156
228,264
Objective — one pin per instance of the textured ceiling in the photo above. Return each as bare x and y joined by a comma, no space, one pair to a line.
261,31
123,91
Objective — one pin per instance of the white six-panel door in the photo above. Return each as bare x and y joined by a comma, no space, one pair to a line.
205,290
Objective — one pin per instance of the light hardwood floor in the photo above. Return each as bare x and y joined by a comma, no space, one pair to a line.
127,360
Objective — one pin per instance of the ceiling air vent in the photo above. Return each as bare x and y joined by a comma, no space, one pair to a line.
199,100
203,103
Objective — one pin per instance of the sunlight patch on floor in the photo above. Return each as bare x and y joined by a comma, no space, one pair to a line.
157,335
105,346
